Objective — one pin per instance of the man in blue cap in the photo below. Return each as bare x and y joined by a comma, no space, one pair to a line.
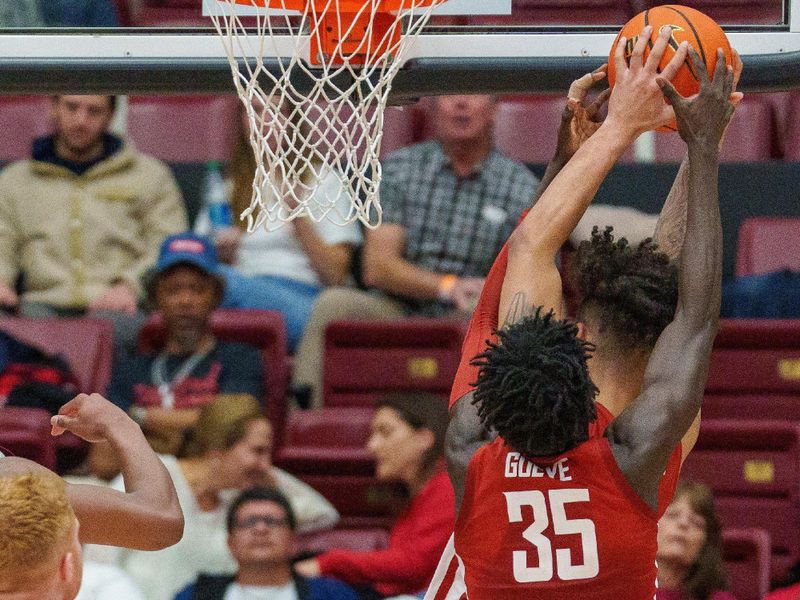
164,392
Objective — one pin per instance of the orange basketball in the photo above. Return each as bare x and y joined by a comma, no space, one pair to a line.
687,24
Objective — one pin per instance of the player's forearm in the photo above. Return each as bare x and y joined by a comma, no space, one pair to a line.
671,227
553,168
148,486
700,266
551,220
402,278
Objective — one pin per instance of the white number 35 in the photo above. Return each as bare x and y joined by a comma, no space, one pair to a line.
556,499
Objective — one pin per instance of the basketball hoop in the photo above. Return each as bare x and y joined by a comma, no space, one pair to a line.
318,114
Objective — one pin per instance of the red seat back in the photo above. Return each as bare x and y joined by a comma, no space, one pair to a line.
364,359
359,540
329,440
768,244
85,343
184,128
749,137
260,328
22,118
747,562
753,468
25,432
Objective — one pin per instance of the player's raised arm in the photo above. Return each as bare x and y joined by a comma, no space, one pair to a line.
147,516
636,105
643,436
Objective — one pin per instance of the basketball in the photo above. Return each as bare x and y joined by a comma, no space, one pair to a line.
688,24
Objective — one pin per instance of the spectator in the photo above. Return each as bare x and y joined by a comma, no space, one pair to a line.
407,441
79,13
164,391
449,204
280,266
82,219
106,582
261,525
690,565
230,451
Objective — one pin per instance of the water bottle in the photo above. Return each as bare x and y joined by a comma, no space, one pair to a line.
215,200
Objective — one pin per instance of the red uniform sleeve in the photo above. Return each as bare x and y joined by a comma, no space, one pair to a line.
481,327
417,541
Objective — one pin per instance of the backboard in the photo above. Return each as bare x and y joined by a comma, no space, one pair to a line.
171,47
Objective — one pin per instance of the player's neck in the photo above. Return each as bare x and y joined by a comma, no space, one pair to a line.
465,157
670,575
266,575
619,383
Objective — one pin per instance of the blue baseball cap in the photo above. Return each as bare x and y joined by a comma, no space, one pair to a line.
187,248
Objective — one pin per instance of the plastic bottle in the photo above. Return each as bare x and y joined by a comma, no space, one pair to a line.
215,200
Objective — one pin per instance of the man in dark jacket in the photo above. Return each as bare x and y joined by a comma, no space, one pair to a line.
261,527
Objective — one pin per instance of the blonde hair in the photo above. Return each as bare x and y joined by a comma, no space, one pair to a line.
222,423
36,522
242,167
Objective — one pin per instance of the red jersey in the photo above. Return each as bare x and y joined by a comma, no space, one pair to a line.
570,528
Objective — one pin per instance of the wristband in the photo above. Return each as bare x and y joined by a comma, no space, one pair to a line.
446,284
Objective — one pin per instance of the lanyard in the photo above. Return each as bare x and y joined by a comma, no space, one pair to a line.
166,387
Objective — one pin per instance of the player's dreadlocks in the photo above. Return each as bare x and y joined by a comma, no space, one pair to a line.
629,292
533,386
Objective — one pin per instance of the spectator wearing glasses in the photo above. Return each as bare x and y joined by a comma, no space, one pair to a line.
261,526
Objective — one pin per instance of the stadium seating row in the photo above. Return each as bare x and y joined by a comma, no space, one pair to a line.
187,129
525,12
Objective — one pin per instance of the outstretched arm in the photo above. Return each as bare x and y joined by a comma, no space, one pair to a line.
643,436
147,516
635,106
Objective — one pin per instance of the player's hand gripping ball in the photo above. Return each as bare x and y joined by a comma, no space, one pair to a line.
687,24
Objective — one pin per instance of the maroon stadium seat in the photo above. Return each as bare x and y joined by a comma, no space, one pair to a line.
360,540
25,432
22,118
87,346
362,501
753,356
753,468
260,328
768,244
366,358
561,12
750,135
737,12
329,440
400,128
184,128
85,343
791,128
747,562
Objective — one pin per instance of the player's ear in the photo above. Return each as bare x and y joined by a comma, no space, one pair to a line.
425,438
581,330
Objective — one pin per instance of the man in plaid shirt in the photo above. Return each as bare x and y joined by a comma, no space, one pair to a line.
449,204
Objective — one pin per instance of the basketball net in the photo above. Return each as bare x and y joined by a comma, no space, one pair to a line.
316,121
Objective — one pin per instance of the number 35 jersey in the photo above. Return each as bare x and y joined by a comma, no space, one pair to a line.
566,529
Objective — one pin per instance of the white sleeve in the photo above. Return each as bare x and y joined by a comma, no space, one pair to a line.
312,510
104,582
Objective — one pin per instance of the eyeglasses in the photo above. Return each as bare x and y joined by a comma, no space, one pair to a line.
250,522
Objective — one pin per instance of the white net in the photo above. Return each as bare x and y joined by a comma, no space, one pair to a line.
316,117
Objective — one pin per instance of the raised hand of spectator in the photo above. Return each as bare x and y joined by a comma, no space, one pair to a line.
8,298
465,292
118,298
579,122
90,417
227,243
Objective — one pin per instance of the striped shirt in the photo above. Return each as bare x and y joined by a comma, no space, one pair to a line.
453,224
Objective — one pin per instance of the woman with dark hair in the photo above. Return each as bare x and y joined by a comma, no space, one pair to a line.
690,565
407,441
